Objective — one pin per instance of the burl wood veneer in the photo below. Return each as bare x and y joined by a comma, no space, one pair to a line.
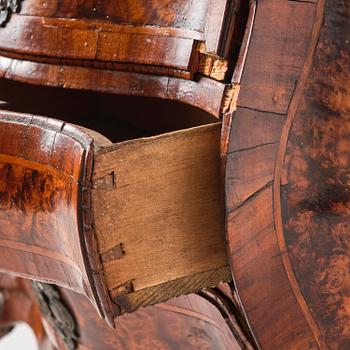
176,50
46,228
141,218
287,177
184,323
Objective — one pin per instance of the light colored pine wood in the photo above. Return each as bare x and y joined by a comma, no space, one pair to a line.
165,291
158,210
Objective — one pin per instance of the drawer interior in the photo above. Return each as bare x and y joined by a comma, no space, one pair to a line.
157,192
117,117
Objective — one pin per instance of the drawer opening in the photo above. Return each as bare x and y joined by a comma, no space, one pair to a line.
158,208
117,117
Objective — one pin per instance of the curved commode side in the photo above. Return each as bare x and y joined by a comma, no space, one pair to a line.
286,184
46,231
128,225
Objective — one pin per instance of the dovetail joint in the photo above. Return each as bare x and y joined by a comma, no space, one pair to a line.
115,253
105,182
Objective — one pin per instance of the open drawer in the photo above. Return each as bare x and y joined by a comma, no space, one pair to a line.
158,216
128,224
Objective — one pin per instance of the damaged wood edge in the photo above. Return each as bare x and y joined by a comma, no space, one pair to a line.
211,65
134,300
230,97
218,67
231,93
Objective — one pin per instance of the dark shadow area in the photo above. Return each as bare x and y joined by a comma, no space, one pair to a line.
117,117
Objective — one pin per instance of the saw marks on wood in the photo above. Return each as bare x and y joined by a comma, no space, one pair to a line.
163,207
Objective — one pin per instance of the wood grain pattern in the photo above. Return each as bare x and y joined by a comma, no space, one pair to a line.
149,201
137,32
171,289
139,219
140,47
283,40
45,169
51,38
147,223
314,192
267,129
267,298
288,237
187,322
151,13
276,55
184,323
30,193
205,93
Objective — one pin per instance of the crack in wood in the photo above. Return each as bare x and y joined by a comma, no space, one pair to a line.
253,147
250,198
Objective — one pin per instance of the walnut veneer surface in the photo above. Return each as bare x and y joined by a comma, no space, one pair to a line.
74,214
287,177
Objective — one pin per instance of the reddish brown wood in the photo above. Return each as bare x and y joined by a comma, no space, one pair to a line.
284,154
188,322
131,32
18,305
89,40
314,191
206,94
148,48
185,323
262,284
46,231
65,224
286,189
153,37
